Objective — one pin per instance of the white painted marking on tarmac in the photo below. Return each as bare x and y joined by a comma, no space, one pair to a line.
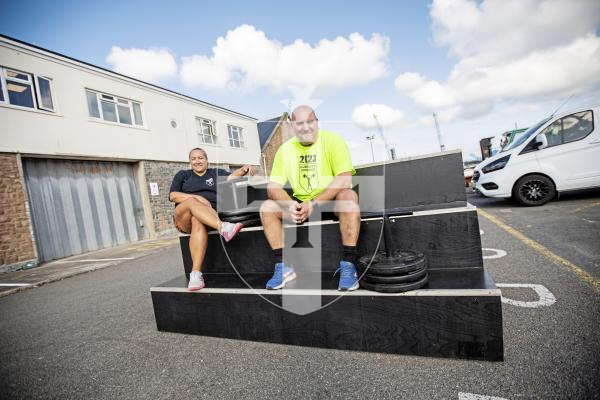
472,396
93,260
481,232
498,253
546,298
15,284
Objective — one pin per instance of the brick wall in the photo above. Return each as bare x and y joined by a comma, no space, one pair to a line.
16,240
282,134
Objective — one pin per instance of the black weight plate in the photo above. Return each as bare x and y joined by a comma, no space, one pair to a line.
400,262
412,276
251,222
241,211
394,288
241,218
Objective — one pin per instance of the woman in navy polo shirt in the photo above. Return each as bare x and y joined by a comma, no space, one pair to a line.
194,192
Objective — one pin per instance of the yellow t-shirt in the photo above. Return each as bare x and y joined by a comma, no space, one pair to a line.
310,169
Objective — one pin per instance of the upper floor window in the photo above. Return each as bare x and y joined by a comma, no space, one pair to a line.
18,88
114,109
206,130
569,129
235,136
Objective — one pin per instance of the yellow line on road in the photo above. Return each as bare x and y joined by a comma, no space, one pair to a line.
584,276
588,206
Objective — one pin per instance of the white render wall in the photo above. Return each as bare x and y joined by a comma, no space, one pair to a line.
70,132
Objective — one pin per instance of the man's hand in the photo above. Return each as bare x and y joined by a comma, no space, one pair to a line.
300,211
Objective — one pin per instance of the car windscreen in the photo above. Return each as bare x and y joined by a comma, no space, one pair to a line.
526,135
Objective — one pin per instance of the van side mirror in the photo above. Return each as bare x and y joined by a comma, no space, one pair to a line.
541,141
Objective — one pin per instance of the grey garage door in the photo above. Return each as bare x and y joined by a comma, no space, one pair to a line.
80,206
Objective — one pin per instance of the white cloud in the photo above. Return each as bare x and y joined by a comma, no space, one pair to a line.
150,65
247,58
509,50
363,116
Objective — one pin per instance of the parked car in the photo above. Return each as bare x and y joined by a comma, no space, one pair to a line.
558,154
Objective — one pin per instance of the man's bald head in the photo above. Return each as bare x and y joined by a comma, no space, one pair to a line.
305,124
303,112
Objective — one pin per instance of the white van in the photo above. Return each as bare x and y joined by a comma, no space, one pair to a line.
558,154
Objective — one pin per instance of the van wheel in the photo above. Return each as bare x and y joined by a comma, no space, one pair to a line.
534,190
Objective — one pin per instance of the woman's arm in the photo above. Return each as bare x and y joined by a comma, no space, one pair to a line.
179,197
246,169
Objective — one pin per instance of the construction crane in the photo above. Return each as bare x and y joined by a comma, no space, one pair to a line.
439,134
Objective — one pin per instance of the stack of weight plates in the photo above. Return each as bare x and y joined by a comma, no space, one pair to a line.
404,270
248,216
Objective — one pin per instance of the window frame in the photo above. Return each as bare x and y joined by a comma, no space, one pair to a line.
200,131
39,93
116,101
561,134
240,137
30,82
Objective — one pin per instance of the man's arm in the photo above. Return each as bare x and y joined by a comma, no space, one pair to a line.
276,192
340,182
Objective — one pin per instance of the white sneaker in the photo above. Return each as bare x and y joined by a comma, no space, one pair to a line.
196,281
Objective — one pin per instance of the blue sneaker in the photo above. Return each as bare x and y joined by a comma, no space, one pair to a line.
282,275
348,276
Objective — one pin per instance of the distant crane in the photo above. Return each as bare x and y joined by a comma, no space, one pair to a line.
380,129
439,134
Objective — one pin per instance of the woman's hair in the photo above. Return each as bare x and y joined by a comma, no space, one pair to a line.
199,149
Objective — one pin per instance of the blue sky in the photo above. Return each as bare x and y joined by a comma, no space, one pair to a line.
480,65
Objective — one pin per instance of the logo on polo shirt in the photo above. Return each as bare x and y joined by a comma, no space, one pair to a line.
210,182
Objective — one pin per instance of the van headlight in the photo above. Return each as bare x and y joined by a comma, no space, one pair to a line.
496,165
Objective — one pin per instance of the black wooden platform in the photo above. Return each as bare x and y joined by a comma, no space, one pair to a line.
457,314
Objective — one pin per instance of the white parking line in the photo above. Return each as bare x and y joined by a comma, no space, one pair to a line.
15,284
498,253
546,298
93,260
472,396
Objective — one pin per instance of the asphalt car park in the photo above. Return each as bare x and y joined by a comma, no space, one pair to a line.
94,336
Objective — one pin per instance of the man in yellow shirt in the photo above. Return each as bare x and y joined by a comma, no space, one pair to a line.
318,167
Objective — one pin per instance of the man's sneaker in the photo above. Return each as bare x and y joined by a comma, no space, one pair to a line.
283,274
196,281
229,230
348,276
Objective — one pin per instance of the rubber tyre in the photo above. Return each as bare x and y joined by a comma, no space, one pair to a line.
394,288
401,262
534,190
241,218
412,276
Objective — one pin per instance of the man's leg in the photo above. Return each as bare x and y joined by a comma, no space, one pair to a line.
348,212
271,215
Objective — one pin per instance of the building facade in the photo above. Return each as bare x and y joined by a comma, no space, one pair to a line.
88,155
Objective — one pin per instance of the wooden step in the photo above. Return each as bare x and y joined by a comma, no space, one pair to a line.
458,314
448,237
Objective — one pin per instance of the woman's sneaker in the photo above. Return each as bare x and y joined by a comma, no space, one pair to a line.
196,281
229,230
283,274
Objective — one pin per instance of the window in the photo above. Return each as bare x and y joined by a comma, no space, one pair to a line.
206,130
114,109
235,136
569,129
18,88
44,93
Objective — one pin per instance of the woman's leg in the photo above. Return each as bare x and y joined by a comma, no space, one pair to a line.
198,244
194,208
